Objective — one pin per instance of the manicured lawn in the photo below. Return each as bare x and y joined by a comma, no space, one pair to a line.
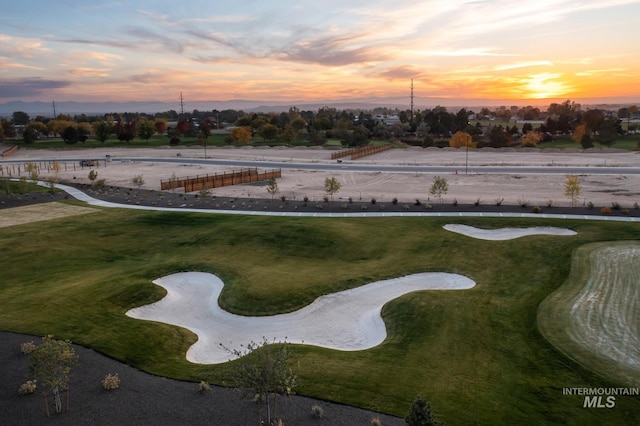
475,354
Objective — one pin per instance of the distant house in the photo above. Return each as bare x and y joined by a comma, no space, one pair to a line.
386,119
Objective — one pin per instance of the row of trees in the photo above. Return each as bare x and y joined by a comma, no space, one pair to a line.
352,128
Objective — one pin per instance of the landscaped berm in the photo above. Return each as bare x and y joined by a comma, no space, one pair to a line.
475,353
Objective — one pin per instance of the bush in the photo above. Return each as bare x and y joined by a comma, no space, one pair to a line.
455,202
27,388
625,211
499,201
615,205
111,382
27,347
418,203
406,207
204,387
394,201
605,210
376,421
317,411
373,201
283,198
590,205
537,209
523,203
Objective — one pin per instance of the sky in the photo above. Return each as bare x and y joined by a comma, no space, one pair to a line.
306,51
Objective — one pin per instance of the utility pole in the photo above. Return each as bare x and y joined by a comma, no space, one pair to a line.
181,108
411,103
54,110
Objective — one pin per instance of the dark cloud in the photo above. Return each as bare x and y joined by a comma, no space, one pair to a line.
330,52
28,87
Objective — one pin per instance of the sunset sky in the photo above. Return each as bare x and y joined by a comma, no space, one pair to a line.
83,50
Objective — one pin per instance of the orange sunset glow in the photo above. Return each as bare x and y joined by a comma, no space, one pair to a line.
311,51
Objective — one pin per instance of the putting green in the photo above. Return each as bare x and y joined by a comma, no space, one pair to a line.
594,318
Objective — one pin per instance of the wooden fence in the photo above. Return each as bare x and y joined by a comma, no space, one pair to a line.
217,180
8,152
360,151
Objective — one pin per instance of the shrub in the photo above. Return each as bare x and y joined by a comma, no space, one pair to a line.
523,202
590,205
318,206
27,347
99,183
625,211
376,421
350,200
363,207
394,201
406,207
344,206
204,387
537,209
605,210
325,199
428,206
455,202
305,199
27,388
549,203
373,201
418,203
615,205
283,198
499,201
476,202
111,381
382,207
317,411
636,205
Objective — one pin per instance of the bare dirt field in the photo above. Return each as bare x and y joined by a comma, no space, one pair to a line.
466,184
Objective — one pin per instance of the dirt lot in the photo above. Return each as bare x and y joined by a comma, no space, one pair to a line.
601,190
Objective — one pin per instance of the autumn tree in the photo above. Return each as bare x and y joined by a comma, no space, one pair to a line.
50,365
242,134
331,186
461,139
102,130
439,187
572,189
161,125
125,131
531,139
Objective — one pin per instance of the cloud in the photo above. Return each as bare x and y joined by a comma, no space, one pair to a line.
399,73
28,87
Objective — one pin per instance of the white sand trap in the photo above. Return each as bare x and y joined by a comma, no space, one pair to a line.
349,320
502,234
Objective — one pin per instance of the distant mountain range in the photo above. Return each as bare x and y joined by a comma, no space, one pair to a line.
98,108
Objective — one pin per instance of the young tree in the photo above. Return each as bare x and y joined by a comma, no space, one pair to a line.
264,370
161,125
439,187
531,139
137,181
331,186
242,134
420,414
70,135
572,189
268,131
272,187
50,365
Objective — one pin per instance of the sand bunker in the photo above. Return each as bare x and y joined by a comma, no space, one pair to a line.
506,233
349,320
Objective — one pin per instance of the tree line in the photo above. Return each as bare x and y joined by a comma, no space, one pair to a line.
430,127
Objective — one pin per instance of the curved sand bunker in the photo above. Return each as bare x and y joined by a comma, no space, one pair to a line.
502,234
349,320
594,318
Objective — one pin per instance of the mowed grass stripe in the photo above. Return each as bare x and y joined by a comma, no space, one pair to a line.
595,317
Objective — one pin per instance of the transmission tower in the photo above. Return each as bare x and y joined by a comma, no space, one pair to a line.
411,103
181,108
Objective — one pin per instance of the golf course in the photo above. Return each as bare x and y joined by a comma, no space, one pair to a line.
476,354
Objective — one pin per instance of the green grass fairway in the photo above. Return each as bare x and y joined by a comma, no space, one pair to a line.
594,317
476,354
